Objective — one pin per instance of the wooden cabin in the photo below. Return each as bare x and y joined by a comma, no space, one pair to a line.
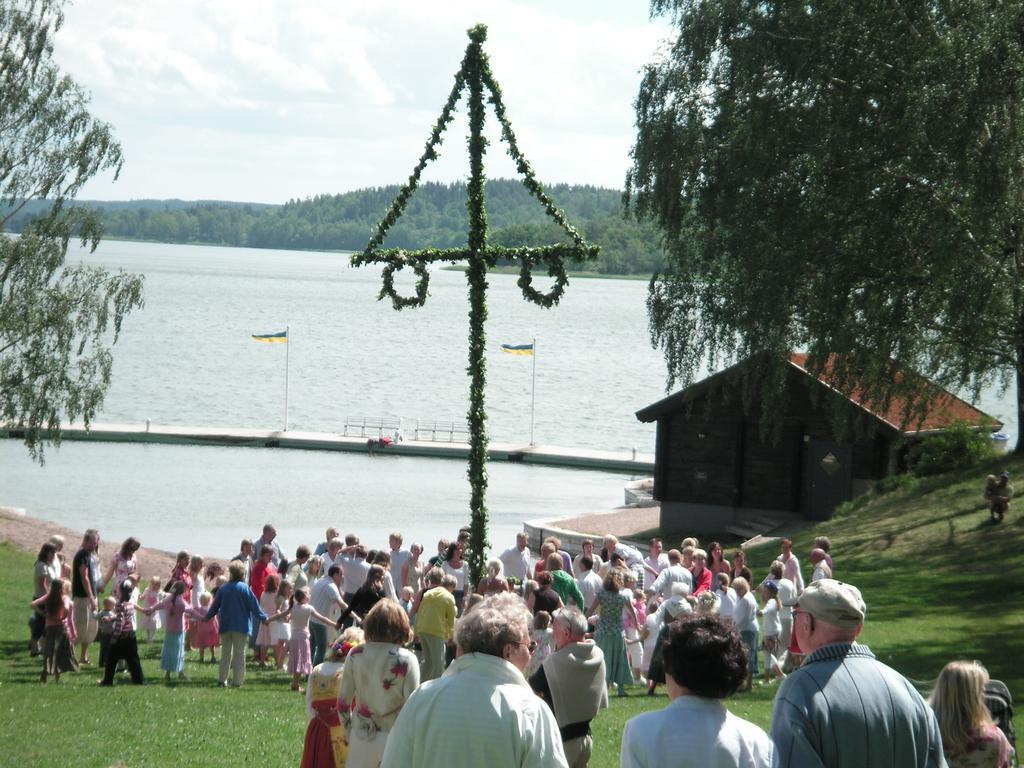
714,469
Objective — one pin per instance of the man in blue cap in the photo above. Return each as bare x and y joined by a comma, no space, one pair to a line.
843,708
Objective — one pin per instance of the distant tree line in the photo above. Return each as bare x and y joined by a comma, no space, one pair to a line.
435,216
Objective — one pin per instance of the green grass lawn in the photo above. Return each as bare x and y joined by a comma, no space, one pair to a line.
939,580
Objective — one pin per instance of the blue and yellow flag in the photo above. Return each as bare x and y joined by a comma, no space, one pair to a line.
517,349
272,338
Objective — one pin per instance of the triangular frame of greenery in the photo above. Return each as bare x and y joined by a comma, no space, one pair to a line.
475,74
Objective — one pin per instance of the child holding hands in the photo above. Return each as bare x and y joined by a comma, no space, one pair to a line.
281,632
58,655
300,612
150,597
172,655
207,632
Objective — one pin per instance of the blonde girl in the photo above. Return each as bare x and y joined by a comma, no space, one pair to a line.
150,622
195,570
632,625
314,571
969,736
207,633
268,604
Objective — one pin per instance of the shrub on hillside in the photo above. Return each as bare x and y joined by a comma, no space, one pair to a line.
958,447
895,483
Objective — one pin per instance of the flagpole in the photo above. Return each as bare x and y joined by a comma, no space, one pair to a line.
533,390
287,344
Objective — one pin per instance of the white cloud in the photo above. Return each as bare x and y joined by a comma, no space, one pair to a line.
267,100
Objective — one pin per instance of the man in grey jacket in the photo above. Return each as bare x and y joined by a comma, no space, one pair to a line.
571,681
843,708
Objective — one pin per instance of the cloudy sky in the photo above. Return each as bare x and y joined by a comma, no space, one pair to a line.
268,100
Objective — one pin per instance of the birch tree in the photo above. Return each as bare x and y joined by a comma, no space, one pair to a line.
839,177
57,321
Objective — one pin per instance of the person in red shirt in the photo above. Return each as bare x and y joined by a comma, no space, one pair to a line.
180,573
260,570
701,574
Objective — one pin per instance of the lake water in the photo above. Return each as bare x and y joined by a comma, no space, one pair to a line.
187,359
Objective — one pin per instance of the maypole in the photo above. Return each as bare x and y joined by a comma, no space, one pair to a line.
475,74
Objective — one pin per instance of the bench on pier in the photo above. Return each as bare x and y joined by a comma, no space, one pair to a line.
365,426
448,431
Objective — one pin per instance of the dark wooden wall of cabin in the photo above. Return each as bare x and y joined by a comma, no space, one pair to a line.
712,452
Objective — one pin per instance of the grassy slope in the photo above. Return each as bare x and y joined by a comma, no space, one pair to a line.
939,580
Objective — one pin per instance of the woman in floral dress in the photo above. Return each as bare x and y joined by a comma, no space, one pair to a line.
379,676
610,632
326,744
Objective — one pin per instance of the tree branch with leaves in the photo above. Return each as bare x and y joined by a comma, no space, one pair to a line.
57,322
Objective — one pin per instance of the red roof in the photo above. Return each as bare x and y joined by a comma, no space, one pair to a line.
944,410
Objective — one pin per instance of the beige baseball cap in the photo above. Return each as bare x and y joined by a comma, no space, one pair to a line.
834,602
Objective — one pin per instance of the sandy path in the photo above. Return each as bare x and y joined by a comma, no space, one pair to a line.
30,533
622,522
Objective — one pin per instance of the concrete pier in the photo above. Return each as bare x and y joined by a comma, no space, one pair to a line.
552,456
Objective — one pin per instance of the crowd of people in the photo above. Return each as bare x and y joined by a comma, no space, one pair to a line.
401,656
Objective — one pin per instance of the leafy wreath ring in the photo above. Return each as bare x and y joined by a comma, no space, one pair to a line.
556,269
388,281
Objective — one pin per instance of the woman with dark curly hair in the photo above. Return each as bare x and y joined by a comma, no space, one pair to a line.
705,662
123,565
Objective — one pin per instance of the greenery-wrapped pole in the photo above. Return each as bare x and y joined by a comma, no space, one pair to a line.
476,276
475,73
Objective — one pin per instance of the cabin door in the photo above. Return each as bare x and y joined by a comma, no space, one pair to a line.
828,475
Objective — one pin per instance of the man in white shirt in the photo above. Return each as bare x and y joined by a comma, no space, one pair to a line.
675,573
325,597
356,568
589,582
399,557
516,560
790,565
656,560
